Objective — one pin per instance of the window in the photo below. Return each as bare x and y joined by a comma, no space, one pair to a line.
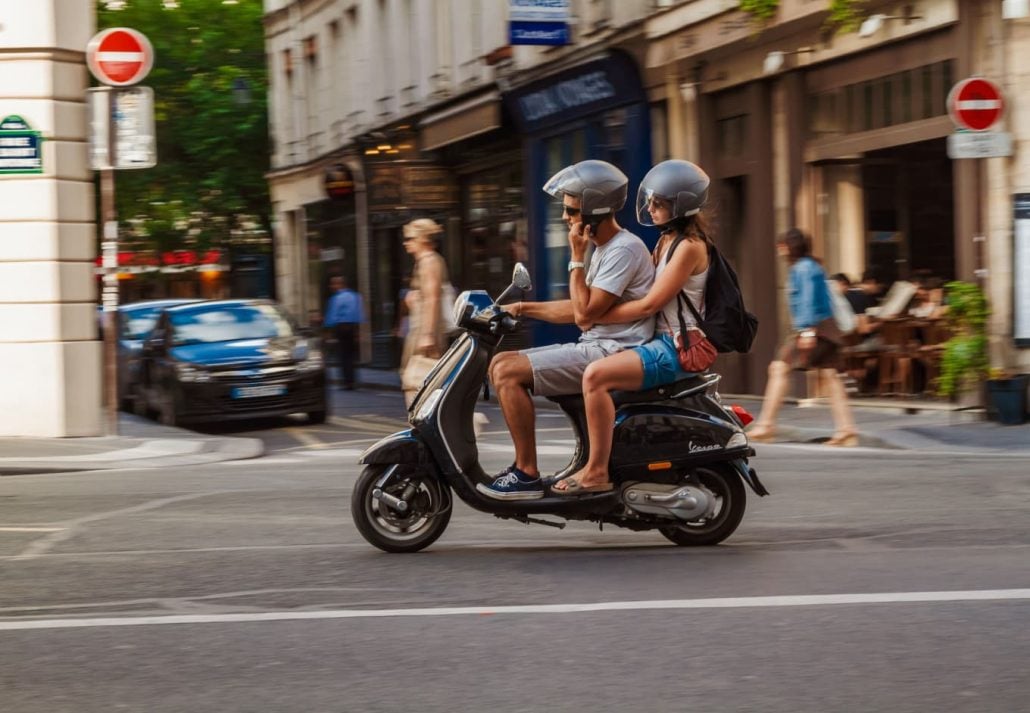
885,101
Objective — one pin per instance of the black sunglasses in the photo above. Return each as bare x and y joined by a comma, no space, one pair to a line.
570,211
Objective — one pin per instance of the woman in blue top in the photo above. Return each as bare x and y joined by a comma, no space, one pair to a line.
813,344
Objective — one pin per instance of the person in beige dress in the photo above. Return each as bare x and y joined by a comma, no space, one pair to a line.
425,335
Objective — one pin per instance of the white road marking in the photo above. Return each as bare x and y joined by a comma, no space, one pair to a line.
306,438
45,544
659,604
30,529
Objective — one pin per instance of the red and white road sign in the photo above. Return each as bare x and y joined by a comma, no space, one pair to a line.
119,56
975,104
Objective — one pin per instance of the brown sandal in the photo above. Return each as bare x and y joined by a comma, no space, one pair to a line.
573,487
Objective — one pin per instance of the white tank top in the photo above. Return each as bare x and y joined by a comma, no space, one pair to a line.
693,290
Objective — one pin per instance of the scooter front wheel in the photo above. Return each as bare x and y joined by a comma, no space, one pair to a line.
729,500
399,509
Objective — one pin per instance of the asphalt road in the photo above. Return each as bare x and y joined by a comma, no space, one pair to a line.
276,603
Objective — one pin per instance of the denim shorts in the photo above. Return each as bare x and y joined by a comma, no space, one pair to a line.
661,364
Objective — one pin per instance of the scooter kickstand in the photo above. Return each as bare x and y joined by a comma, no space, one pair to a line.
526,519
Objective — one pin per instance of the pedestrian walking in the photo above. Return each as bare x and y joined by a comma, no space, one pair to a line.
429,297
344,314
814,343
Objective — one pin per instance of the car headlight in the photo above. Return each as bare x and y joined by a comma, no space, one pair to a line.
191,373
313,362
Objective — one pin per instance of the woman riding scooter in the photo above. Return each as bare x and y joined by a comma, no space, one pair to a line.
671,196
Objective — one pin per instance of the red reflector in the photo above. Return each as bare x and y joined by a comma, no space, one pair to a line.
742,414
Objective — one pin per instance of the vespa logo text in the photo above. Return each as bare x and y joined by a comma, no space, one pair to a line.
567,95
697,448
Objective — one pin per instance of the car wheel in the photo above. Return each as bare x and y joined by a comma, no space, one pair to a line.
315,417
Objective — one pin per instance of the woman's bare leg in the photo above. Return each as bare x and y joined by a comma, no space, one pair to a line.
623,370
775,390
843,421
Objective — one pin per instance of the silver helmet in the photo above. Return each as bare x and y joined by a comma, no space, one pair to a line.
681,183
600,187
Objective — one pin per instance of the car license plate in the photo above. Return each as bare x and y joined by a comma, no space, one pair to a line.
250,392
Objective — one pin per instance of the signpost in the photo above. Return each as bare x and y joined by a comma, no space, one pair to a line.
121,136
119,56
976,105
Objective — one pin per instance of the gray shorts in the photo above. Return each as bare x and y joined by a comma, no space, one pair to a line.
558,368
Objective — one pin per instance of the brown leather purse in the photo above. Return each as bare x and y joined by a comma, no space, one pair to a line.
697,354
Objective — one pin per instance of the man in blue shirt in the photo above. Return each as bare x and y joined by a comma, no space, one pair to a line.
343,314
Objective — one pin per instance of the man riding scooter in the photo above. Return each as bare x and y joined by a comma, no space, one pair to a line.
620,270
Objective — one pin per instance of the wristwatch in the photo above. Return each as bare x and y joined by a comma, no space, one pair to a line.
573,264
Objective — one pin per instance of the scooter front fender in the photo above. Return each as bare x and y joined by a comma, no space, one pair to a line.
400,447
749,476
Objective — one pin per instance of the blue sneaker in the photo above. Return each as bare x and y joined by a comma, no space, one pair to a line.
513,484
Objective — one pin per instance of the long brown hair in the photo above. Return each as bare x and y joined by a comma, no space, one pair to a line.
694,227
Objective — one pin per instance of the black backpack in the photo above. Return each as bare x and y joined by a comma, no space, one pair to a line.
727,323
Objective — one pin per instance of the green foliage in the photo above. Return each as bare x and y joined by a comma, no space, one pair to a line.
212,150
760,9
964,361
845,15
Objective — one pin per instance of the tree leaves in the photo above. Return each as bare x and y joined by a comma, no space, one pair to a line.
209,184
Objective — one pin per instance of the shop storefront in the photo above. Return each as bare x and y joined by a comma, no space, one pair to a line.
331,240
401,186
595,110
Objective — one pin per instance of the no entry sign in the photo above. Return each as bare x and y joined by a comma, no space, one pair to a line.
975,104
119,56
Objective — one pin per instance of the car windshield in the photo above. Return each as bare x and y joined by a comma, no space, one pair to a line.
138,323
228,323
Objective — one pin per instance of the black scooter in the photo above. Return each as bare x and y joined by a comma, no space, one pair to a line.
679,457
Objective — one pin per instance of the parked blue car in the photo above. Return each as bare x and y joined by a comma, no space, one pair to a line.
230,359
134,323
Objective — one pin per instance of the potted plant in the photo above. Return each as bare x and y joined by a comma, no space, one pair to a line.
964,362
1006,397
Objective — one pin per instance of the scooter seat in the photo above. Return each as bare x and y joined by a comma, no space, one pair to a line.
658,393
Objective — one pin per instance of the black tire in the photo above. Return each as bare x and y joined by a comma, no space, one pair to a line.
316,417
725,484
389,530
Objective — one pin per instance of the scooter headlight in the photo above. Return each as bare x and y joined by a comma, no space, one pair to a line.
426,410
459,306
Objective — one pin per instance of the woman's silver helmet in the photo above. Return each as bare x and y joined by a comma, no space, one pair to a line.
681,183
600,187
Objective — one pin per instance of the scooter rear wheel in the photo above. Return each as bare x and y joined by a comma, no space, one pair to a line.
389,529
723,483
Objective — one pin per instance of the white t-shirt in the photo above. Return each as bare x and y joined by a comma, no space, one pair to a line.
622,267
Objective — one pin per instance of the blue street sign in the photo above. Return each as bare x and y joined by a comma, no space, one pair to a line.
538,22
21,148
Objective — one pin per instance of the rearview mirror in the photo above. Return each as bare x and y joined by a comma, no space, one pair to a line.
520,277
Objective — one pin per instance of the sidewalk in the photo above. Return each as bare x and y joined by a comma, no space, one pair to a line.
141,443
882,423
914,426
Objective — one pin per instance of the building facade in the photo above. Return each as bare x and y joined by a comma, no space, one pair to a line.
844,134
432,113
50,359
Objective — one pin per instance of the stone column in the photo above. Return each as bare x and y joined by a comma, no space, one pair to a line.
50,359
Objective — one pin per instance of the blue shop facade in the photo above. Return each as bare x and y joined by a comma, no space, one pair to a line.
594,110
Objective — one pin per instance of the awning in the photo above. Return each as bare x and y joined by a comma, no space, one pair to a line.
469,118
